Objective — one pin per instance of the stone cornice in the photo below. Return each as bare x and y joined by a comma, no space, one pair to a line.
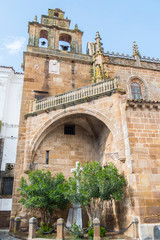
56,18
54,26
127,56
130,61
41,52
143,104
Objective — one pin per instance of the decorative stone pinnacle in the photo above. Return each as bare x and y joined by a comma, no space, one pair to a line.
135,49
76,27
98,36
99,48
35,18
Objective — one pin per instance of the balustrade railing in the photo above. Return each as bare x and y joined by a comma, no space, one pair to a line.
75,95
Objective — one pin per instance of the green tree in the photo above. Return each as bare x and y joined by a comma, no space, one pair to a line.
93,185
44,193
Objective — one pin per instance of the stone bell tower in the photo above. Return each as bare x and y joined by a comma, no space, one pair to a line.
53,62
55,28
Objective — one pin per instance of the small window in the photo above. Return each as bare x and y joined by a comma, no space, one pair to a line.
7,185
136,91
47,157
69,129
39,97
72,67
56,14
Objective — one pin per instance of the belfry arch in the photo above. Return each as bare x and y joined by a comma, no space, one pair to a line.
65,41
43,38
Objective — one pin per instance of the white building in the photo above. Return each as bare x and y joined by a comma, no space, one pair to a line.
11,85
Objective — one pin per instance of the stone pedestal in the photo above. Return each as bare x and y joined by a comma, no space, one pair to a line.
135,228
12,219
96,226
75,216
60,229
17,223
32,228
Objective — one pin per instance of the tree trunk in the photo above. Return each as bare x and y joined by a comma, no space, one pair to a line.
89,215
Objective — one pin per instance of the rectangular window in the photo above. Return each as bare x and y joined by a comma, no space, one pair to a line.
69,129
47,157
136,90
39,97
72,67
7,185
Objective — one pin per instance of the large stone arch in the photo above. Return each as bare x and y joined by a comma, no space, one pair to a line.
56,119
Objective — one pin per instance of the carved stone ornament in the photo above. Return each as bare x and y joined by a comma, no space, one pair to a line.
54,66
36,66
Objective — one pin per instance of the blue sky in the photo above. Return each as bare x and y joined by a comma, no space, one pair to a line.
120,22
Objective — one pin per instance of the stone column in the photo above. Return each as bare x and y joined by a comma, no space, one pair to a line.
135,228
60,229
12,223
32,228
96,226
17,223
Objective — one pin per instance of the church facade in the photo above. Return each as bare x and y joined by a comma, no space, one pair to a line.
90,107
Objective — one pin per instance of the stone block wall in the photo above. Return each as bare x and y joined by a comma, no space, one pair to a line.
144,137
65,150
126,70
72,74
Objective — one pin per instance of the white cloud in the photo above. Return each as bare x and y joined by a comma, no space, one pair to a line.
14,44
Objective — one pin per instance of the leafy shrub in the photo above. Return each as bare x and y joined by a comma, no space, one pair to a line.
91,232
44,193
102,231
78,232
95,185
45,227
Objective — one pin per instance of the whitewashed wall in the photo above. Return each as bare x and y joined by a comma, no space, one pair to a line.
11,85
5,204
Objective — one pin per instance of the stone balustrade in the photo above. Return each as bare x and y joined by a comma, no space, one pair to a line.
83,93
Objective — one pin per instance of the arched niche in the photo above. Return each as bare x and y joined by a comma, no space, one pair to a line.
60,151
65,42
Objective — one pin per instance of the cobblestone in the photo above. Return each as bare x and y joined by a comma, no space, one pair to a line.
5,236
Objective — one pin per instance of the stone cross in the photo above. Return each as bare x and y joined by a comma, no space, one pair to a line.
75,213
73,170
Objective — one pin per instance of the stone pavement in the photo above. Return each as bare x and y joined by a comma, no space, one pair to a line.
5,236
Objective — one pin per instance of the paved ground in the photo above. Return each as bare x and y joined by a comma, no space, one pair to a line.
5,236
